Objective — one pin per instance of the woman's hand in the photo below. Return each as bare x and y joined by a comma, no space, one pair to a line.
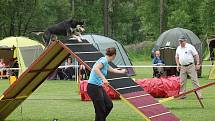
124,70
119,70
105,81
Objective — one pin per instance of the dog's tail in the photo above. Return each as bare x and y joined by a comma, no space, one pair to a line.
42,34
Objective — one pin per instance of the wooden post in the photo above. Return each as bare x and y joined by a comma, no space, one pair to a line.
161,16
106,18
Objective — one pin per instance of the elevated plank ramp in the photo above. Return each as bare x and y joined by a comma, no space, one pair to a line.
128,89
87,55
32,78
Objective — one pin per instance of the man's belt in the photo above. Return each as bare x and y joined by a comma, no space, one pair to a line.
187,64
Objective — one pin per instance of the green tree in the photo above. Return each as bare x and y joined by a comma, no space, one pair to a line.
149,11
49,12
184,14
91,11
16,16
207,17
179,18
125,23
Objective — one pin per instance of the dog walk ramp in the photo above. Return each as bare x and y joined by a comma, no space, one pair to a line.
128,89
32,78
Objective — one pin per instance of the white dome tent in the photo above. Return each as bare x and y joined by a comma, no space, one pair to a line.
102,42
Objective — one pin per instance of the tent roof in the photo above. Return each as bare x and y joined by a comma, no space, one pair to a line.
19,42
102,42
170,37
26,51
93,38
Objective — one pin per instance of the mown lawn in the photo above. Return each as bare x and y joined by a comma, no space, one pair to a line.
59,99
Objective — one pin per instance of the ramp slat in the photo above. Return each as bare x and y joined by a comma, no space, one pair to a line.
166,117
89,56
82,48
120,83
150,107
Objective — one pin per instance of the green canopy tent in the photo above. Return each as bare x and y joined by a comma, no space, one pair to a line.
168,42
22,48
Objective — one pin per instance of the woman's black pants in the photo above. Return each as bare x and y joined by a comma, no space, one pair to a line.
101,101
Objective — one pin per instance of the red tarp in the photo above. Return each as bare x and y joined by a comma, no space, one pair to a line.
84,96
161,87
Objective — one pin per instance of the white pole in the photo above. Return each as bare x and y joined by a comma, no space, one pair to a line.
120,66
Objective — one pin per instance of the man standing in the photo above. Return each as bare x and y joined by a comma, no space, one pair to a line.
185,55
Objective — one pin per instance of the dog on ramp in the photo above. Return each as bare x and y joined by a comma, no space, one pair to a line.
71,28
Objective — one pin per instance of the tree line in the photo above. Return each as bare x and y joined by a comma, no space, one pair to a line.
129,21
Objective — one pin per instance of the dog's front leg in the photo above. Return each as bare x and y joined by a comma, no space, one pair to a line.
77,37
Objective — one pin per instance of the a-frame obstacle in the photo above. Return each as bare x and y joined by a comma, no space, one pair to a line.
31,79
87,55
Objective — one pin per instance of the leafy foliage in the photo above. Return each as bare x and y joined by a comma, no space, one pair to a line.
129,21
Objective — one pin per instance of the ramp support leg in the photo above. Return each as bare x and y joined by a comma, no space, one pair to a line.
200,101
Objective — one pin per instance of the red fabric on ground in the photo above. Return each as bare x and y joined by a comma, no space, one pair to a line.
161,87
84,96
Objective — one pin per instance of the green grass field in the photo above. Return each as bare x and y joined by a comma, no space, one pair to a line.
59,99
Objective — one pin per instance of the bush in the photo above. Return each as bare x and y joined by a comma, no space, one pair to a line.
140,51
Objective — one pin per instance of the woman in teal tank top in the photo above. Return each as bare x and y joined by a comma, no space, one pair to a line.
101,101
